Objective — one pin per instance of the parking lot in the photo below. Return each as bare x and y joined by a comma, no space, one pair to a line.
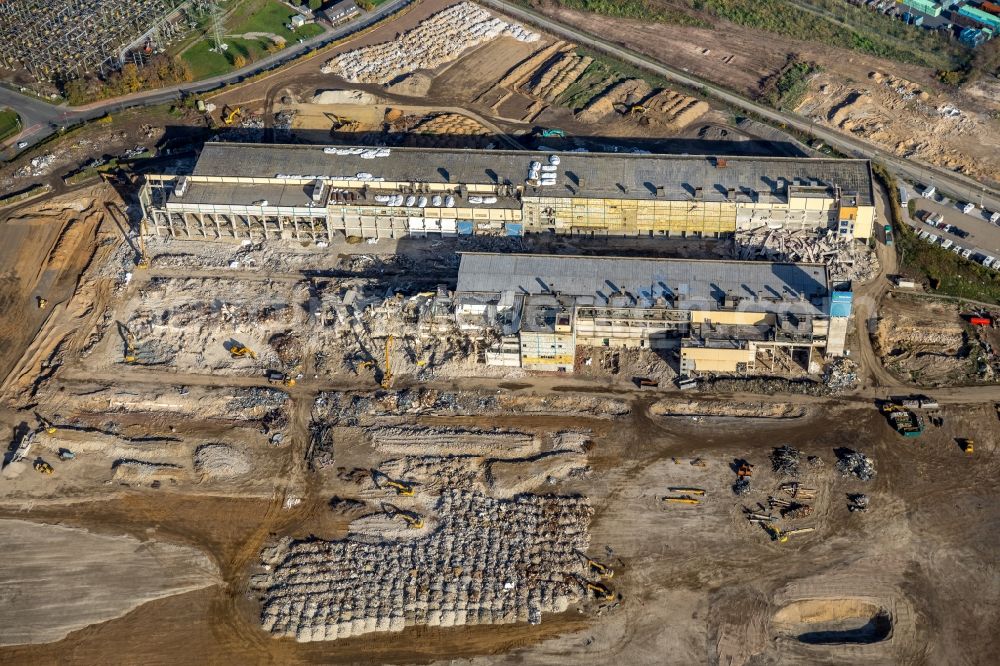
970,231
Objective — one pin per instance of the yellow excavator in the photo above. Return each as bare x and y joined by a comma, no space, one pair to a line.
412,518
402,488
600,590
387,375
143,260
42,467
46,425
775,533
602,570
128,337
340,123
239,351
231,114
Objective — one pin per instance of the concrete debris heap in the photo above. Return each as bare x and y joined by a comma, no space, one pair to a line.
488,562
845,259
857,464
439,39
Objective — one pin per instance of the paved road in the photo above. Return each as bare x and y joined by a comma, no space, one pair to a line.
41,119
957,184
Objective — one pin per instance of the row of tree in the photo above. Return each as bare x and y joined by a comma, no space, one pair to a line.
158,72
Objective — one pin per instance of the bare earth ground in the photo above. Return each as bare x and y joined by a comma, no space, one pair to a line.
966,143
697,583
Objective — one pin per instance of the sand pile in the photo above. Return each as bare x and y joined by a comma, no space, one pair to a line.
220,461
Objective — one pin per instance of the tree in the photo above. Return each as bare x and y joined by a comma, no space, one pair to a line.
131,81
315,4
239,61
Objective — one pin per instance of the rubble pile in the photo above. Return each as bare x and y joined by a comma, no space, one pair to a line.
420,440
438,39
785,460
742,486
857,464
841,375
857,502
488,562
846,258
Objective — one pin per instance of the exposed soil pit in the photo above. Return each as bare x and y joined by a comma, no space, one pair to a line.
756,410
835,621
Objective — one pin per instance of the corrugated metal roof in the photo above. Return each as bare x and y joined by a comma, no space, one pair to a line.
701,284
605,175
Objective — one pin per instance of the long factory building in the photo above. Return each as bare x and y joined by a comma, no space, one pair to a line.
317,194
717,316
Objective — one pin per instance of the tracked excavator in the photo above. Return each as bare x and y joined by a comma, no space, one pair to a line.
239,351
382,480
412,518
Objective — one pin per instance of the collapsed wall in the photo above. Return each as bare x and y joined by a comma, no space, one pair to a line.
489,561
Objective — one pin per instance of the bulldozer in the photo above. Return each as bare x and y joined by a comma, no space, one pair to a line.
42,467
412,518
239,351
968,445
402,488
42,303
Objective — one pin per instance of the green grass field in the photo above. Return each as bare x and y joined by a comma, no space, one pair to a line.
269,17
10,123
272,17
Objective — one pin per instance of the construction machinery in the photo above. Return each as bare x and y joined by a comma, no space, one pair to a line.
968,445
143,261
42,467
686,491
387,375
552,132
681,500
637,110
383,480
602,570
775,533
231,114
340,123
744,469
128,338
276,377
42,303
904,421
412,518
600,590
45,424
239,351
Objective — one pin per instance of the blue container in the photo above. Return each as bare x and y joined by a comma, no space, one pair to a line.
514,229
840,304
464,227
